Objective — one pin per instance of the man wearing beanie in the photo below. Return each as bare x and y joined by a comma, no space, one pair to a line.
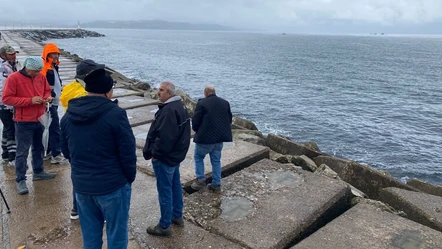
97,139
73,90
28,91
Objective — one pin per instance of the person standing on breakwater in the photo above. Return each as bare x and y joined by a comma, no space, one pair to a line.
167,144
97,139
29,92
7,67
212,123
73,90
51,58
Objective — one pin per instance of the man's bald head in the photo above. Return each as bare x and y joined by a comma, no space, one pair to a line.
209,90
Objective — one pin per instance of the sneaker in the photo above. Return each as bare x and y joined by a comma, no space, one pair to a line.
159,231
215,188
48,156
58,159
42,176
22,188
179,222
11,164
74,214
198,184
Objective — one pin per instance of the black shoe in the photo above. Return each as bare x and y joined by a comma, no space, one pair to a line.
74,214
159,231
179,222
215,188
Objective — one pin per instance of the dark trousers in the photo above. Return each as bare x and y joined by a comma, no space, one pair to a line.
8,134
27,134
54,132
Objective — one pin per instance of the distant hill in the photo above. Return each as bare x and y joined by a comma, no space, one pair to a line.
154,24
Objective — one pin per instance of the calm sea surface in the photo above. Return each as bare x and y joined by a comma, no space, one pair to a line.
373,99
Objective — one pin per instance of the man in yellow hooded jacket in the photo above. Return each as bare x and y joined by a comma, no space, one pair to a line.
75,89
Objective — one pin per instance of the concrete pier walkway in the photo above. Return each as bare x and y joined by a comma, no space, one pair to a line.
264,204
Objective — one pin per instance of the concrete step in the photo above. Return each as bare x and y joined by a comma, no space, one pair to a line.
141,115
268,205
130,102
370,226
235,156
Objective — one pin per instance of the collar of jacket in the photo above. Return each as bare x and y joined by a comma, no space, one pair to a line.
24,73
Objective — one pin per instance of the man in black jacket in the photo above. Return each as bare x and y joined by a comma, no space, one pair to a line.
212,123
97,139
167,144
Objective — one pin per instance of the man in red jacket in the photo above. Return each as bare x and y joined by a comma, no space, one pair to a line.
29,92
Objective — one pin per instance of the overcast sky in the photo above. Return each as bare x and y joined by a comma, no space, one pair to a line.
276,15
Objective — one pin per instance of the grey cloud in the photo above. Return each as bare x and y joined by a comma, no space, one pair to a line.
255,14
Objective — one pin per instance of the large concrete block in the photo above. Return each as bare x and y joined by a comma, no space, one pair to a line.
366,226
141,131
145,211
122,92
130,102
425,187
268,205
363,177
141,115
422,208
235,156
285,146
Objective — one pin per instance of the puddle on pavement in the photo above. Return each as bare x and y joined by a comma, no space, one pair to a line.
235,208
410,239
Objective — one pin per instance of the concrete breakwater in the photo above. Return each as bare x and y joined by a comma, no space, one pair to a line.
277,193
43,35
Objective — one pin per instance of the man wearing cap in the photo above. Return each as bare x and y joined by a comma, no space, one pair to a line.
28,91
97,139
167,143
76,89
7,67
51,60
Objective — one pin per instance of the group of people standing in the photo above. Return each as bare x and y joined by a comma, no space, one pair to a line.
96,138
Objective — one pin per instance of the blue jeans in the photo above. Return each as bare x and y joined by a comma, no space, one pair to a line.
27,134
94,210
170,193
214,151
54,132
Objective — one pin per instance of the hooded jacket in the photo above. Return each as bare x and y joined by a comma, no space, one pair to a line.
18,92
73,90
97,139
168,138
50,70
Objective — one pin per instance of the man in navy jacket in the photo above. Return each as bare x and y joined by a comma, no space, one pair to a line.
167,144
212,123
97,139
